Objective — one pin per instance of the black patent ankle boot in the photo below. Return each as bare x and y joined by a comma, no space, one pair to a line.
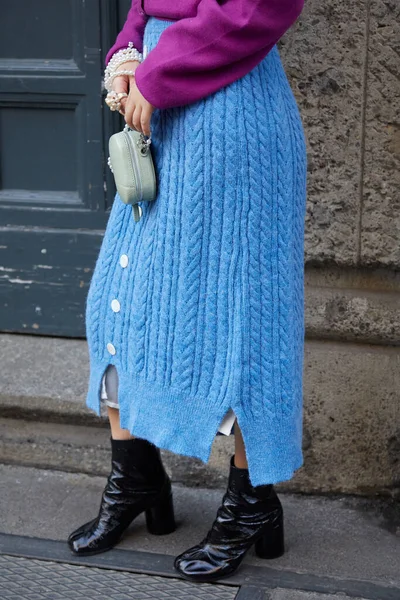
248,515
138,482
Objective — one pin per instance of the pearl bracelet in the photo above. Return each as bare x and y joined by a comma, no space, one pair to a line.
122,72
124,55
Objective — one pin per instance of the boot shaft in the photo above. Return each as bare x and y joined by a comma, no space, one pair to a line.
239,484
139,460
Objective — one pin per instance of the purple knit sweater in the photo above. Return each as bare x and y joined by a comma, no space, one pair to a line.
210,44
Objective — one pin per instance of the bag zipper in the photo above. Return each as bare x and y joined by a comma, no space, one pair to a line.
136,166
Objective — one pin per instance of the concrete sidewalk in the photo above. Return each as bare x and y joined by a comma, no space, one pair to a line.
340,543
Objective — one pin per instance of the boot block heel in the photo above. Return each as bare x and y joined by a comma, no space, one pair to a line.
271,544
160,519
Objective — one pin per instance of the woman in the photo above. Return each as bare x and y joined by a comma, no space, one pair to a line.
195,312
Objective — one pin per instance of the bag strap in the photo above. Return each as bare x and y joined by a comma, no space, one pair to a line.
137,212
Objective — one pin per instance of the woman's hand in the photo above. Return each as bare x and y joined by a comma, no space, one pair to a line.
135,108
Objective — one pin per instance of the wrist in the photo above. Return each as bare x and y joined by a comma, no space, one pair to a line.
128,65
118,63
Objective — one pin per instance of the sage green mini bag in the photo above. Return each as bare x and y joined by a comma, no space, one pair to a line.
132,165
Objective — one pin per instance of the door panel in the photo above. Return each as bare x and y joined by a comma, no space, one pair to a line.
55,188
44,287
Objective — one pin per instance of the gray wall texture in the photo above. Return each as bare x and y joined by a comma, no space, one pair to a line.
343,62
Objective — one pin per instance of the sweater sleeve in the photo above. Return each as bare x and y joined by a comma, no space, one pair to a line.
132,31
194,57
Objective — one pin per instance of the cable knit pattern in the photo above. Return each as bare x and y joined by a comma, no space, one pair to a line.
211,301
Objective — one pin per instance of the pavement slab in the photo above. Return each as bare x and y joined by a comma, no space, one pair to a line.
331,542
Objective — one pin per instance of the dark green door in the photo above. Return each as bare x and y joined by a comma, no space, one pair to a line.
55,188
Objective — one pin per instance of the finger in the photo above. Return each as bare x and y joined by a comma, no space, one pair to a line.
121,84
129,110
130,104
123,105
145,121
136,118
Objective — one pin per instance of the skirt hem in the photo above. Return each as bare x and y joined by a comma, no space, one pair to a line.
161,415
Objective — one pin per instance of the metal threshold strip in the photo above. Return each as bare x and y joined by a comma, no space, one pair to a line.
43,569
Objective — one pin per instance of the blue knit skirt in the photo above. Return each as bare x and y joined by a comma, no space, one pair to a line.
209,283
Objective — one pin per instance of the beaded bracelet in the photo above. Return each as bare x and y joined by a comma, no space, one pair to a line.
122,72
124,55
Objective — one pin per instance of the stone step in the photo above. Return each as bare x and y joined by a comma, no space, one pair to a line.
86,449
44,421
350,403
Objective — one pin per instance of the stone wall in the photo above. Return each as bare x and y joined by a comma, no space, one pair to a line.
343,62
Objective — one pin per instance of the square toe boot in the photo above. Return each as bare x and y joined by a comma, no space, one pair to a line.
248,515
137,482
